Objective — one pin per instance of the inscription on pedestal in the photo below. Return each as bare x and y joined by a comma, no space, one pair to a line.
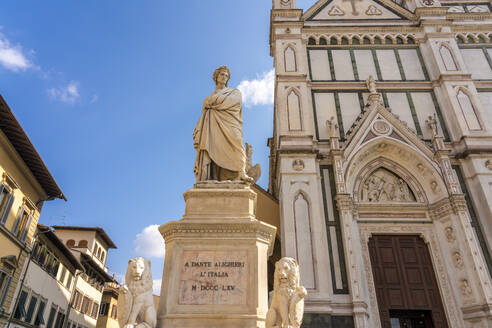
214,278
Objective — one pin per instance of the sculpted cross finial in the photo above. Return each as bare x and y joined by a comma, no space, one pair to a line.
354,9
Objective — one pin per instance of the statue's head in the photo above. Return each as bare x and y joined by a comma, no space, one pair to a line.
220,73
138,269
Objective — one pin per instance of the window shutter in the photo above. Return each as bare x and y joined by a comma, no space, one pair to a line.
5,289
5,214
26,228
15,230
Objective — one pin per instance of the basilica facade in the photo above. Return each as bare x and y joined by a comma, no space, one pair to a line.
381,159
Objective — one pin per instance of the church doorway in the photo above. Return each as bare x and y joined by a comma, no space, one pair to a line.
406,287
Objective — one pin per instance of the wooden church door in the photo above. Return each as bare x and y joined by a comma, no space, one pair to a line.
406,287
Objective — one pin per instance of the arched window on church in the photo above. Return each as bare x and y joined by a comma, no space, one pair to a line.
311,41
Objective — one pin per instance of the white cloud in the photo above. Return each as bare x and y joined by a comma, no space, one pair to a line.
156,286
258,91
12,57
149,242
68,94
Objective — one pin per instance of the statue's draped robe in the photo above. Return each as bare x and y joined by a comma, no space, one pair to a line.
218,137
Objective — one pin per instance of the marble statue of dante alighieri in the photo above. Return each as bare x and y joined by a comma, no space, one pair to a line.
218,136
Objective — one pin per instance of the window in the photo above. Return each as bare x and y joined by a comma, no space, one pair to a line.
40,314
85,305
56,265
36,250
51,318
30,309
103,311
6,200
42,256
59,319
102,256
95,310
114,311
69,280
20,311
77,301
63,274
21,226
4,286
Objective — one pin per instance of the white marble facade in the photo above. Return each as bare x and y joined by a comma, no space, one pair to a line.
384,170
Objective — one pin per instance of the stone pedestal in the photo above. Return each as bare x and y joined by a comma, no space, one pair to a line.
215,271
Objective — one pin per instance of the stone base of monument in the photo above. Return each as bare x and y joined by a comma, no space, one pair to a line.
215,270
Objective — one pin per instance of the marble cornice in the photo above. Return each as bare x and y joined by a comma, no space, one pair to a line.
440,209
361,29
458,203
199,193
344,202
336,85
468,16
430,11
288,78
472,28
225,230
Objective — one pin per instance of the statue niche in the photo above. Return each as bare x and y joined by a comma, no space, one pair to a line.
385,186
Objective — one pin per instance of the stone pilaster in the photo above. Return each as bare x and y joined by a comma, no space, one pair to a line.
353,256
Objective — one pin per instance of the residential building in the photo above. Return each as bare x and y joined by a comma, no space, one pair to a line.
90,246
46,290
381,159
109,307
25,184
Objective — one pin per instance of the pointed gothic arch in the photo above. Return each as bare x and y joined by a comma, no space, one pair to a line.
384,180
294,110
419,170
468,107
447,57
304,238
290,61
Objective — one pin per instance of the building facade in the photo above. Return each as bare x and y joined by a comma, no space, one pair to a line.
90,246
45,293
25,184
381,159
108,311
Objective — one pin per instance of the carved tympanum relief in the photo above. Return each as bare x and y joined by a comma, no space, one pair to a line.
385,186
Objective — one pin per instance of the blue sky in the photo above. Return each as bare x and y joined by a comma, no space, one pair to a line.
109,93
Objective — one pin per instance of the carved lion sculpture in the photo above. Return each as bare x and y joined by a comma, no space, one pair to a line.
287,306
135,300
